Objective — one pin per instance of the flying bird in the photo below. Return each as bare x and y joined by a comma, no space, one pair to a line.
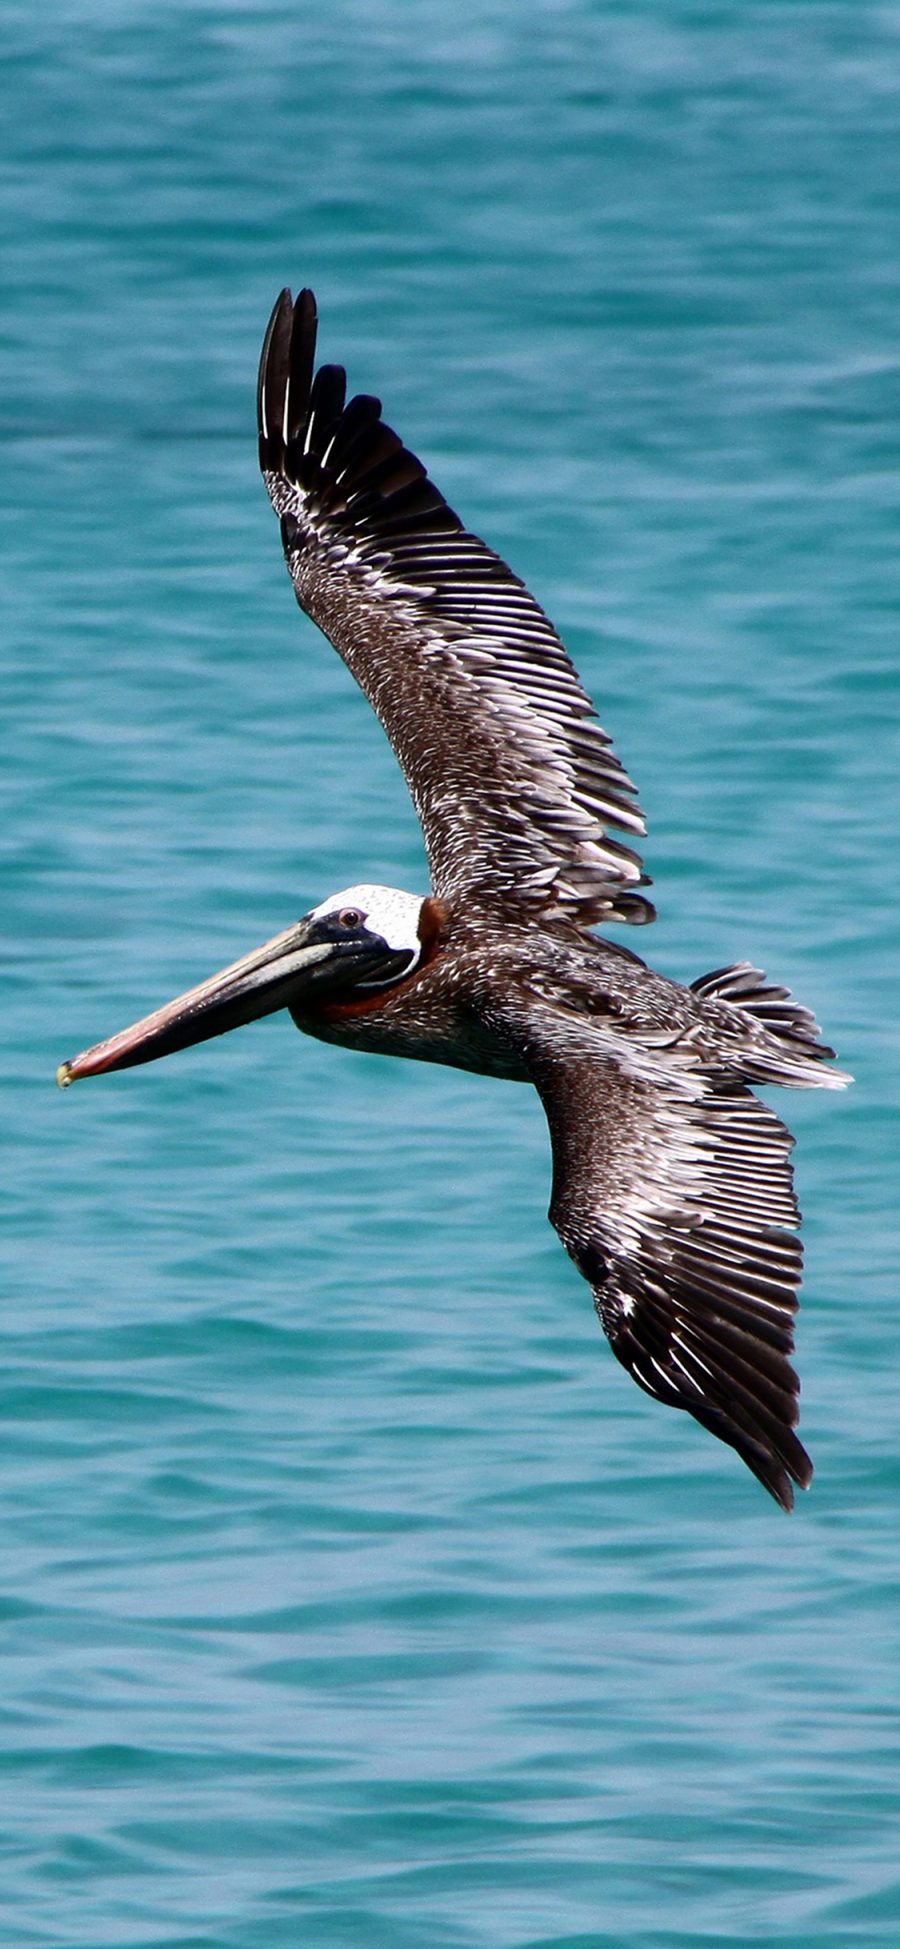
672,1184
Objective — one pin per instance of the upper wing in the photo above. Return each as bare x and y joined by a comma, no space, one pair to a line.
673,1191
513,778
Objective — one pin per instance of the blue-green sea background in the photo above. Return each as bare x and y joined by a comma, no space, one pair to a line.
351,1594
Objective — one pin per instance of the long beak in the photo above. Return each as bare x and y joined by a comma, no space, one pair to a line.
278,975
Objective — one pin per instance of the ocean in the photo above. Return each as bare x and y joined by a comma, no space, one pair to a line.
351,1593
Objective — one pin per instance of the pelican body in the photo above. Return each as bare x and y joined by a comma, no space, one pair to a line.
672,1184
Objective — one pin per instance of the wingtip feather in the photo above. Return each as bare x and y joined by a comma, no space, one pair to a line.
285,371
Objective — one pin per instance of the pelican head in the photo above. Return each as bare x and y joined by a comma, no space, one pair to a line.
357,941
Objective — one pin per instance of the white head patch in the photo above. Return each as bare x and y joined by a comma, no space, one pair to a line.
384,910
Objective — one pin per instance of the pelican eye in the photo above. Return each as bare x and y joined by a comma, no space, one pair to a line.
350,917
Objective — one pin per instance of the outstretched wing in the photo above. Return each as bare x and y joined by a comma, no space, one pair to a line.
514,780
673,1192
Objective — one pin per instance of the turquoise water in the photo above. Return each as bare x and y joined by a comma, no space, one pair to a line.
351,1594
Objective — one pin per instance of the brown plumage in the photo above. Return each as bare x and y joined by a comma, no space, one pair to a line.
672,1186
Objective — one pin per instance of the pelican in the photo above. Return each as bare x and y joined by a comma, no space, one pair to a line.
672,1185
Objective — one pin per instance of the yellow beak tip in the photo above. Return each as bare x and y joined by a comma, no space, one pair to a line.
64,1075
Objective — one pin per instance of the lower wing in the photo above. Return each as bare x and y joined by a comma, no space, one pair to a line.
673,1192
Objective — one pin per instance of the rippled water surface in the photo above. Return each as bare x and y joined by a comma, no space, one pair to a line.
350,1592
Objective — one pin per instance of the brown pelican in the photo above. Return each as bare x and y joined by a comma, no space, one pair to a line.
672,1185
